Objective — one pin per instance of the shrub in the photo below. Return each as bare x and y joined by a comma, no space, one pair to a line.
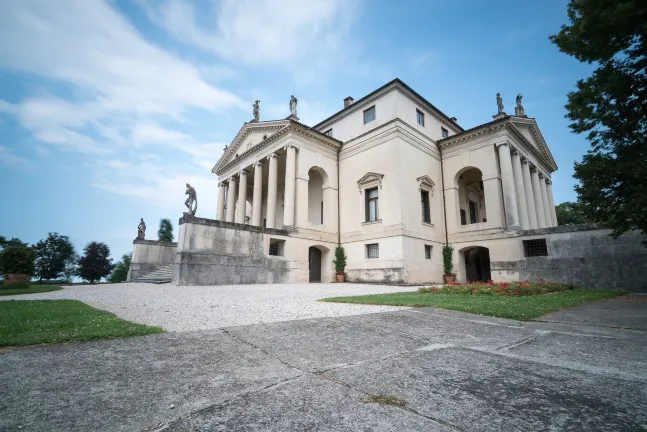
165,233
340,259
522,288
17,260
448,266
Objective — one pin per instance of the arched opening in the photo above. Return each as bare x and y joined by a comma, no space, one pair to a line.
471,196
317,179
477,264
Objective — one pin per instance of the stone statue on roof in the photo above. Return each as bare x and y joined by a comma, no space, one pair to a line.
293,106
518,110
257,110
191,200
141,229
499,103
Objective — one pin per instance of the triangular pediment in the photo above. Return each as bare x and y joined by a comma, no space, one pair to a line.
249,136
530,131
370,179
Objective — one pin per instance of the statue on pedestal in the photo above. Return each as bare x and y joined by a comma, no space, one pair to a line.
257,110
518,110
499,103
141,229
293,106
191,200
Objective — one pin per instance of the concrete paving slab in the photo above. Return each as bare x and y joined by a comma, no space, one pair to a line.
623,312
127,384
475,390
316,345
307,403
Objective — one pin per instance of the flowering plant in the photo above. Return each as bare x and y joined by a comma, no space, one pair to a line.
521,288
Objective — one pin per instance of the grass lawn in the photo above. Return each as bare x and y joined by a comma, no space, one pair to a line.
29,322
514,307
31,290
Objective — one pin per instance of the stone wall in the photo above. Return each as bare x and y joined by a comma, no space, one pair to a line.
148,255
586,256
212,252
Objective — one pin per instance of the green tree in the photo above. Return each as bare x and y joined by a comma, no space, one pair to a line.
17,259
569,213
70,268
610,106
95,263
52,254
340,259
120,272
165,233
13,241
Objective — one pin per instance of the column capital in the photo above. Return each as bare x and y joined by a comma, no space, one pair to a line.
222,183
291,145
232,179
258,163
524,160
541,174
505,143
272,155
243,171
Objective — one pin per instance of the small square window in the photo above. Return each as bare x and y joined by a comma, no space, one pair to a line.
420,117
373,250
277,247
369,115
537,247
444,132
328,133
427,252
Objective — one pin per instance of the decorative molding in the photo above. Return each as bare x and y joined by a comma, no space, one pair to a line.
426,183
369,180
244,132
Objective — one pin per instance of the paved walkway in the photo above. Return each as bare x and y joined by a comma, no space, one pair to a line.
580,369
182,308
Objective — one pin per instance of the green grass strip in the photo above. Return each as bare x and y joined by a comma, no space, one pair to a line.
30,290
29,322
513,307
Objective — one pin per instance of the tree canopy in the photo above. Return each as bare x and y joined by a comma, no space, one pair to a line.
610,106
95,263
165,233
569,213
120,272
52,254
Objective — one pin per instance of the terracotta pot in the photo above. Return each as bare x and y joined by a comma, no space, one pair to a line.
17,279
449,278
340,277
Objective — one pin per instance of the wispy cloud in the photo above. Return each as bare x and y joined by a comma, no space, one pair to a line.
9,158
421,60
518,35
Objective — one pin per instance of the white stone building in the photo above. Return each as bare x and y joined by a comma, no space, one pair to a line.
392,179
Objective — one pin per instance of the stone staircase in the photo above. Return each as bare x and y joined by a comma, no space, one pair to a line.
162,274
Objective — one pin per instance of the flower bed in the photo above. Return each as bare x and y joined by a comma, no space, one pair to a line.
522,288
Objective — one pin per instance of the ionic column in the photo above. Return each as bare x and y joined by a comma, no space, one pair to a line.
290,185
530,199
539,203
231,199
222,188
272,185
258,194
520,190
553,213
507,183
242,197
544,198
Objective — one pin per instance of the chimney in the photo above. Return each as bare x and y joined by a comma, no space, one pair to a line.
454,119
348,101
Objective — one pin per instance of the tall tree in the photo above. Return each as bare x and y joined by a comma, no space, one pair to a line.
13,241
569,213
120,272
95,263
610,106
52,254
165,233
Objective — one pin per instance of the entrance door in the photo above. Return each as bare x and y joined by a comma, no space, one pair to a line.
314,258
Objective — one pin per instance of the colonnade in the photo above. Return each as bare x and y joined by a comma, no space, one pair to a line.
527,192
235,188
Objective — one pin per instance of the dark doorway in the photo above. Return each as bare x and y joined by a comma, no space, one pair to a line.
472,212
477,264
314,259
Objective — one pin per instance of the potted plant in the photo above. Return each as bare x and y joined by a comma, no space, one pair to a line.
340,263
447,264
17,264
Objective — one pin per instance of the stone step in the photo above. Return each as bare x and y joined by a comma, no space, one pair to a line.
160,275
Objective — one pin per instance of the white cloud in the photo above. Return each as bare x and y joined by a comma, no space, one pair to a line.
420,60
8,158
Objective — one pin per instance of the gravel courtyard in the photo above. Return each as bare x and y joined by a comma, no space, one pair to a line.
182,308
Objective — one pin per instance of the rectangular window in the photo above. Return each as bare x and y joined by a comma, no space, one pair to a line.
427,252
472,212
420,117
444,132
532,248
424,201
463,217
328,132
277,247
369,115
373,250
321,212
371,205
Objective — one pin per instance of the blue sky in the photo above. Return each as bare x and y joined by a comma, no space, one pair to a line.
108,107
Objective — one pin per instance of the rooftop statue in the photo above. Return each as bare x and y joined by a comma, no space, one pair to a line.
257,110
293,106
499,103
191,200
518,110
141,229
